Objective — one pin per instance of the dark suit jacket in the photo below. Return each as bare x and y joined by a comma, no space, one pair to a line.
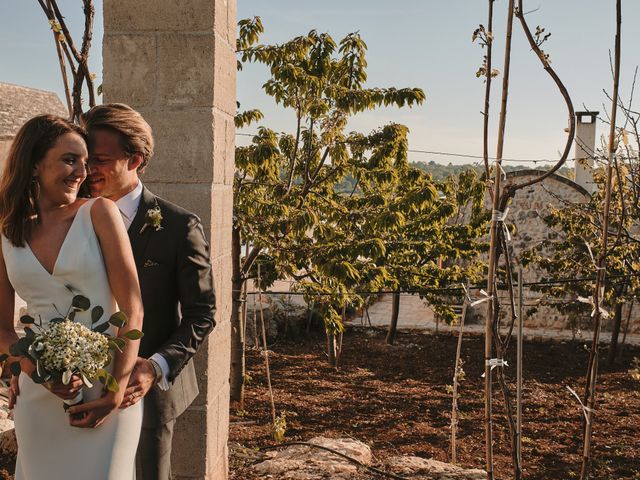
174,270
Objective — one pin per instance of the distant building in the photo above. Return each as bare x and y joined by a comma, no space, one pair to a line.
19,104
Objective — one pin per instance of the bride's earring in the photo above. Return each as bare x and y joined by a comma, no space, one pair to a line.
34,192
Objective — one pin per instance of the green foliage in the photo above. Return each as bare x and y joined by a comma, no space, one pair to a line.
391,228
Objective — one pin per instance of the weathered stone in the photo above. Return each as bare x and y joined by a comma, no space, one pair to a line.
131,63
8,442
301,462
429,469
159,15
185,70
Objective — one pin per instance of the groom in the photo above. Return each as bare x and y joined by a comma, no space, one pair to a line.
172,259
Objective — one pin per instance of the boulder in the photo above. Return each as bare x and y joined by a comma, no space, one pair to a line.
417,468
300,462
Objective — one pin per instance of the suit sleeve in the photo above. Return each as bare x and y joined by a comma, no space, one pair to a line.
196,296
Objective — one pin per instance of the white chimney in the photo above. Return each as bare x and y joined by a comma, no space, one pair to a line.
585,149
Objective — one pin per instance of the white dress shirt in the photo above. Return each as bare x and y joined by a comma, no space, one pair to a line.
128,206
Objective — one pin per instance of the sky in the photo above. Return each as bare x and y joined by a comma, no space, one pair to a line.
411,43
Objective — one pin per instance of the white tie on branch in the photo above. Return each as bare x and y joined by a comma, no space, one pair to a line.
585,409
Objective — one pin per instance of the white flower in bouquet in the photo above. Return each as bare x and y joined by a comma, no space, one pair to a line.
70,347
63,347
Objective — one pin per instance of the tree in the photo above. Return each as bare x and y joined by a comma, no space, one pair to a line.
286,181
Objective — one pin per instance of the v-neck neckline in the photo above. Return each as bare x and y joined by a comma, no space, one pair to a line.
55,263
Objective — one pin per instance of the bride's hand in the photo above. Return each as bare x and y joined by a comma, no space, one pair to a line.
66,392
93,414
14,391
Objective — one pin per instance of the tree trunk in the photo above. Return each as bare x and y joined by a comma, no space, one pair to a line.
331,350
395,312
613,346
237,372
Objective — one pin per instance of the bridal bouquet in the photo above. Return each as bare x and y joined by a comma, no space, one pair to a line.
63,347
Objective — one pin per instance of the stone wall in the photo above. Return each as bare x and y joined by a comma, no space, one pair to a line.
526,212
175,63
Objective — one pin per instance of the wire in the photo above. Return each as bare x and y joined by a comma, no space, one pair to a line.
476,157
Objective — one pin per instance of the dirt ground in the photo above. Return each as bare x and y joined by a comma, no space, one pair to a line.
395,399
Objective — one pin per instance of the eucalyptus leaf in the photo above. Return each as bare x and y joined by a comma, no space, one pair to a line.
133,334
72,315
27,319
3,357
37,378
103,327
111,383
56,320
101,374
15,368
86,381
81,303
29,333
117,344
119,319
96,313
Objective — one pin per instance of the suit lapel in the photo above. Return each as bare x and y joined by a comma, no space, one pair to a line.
139,240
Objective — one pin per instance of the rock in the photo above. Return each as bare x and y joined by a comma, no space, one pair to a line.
8,443
428,469
300,462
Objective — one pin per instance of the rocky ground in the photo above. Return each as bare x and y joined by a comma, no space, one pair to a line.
395,400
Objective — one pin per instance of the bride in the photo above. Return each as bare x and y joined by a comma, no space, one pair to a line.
56,245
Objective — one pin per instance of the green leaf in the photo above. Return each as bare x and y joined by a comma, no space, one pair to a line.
15,368
96,313
27,319
81,303
111,383
133,335
37,378
119,319
117,344
103,327
101,374
3,357
20,348
72,315
30,334
56,320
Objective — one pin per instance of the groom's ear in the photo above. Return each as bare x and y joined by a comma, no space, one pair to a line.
135,161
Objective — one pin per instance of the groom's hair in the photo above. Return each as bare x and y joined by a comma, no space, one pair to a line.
135,133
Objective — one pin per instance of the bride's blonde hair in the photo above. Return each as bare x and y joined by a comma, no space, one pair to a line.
18,188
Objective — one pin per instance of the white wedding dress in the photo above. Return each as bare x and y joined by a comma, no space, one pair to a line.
48,448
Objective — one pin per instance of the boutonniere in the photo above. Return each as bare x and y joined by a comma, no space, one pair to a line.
152,219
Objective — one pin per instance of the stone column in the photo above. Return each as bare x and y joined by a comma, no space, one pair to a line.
174,61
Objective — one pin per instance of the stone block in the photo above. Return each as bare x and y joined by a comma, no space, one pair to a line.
185,70
222,130
184,146
159,15
224,77
230,153
192,436
225,20
222,421
219,468
129,65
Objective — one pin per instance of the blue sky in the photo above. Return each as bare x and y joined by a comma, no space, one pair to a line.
412,43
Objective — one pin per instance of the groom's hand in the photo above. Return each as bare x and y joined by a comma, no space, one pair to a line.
141,380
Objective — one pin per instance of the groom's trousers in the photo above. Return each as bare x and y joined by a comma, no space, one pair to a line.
153,461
